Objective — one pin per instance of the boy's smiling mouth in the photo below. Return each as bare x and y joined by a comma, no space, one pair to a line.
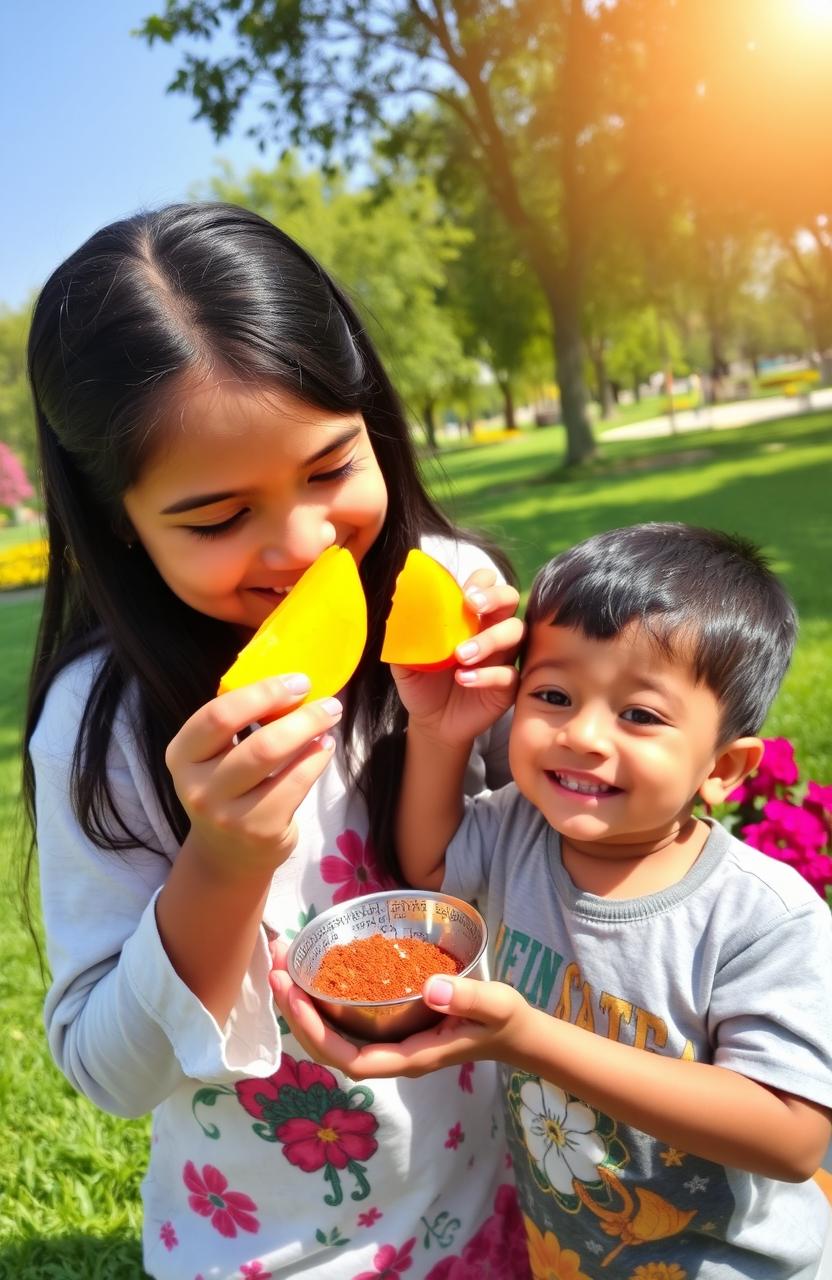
583,786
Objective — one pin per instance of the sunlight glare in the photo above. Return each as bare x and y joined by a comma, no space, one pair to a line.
814,11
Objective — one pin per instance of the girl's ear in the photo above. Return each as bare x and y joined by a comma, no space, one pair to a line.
732,765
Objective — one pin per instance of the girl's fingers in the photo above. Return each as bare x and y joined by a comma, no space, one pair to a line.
273,748
271,806
501,638
212,728
495,602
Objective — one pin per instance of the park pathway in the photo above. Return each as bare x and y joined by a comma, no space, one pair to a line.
720,417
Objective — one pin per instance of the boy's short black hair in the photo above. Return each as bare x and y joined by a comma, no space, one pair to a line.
706,597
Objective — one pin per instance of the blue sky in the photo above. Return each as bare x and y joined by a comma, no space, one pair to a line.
88,132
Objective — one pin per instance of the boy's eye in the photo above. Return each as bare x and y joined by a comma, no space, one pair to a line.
640,715
338,473
215,530
552,697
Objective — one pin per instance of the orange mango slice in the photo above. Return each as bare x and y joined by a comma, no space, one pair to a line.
428,617
319,628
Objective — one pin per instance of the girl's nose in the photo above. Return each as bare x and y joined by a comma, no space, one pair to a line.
303,538
586,731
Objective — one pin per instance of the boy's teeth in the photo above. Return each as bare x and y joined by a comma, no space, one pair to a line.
587,788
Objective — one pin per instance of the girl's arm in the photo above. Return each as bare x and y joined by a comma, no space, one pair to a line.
704,1110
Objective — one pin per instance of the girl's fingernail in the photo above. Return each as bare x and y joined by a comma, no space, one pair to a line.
327,741
440,991
296,682
468,650
331,706
477,598
466,677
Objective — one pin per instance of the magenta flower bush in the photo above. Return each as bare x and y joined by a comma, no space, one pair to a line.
775,813
14,483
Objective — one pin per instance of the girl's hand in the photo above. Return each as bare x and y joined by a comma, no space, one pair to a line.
485,1020
241,793
456,704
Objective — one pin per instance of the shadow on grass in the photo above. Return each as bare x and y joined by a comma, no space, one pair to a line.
72,1257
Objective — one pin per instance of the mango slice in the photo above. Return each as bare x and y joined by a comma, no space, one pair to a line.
319,628
428,618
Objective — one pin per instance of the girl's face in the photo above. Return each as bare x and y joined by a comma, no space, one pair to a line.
248,488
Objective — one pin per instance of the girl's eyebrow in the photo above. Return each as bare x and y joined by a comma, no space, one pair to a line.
208,499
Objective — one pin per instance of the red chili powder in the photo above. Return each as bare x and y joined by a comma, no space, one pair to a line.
379,968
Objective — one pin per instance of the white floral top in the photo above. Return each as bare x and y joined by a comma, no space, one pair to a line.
263,1163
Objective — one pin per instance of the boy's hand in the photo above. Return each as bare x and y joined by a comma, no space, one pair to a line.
453,706
486,1020
241,791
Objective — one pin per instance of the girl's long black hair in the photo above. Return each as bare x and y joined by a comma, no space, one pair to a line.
116,328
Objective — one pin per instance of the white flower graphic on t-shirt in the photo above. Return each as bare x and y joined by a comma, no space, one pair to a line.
560,1135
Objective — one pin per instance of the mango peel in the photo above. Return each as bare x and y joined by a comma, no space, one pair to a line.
428,618
319,629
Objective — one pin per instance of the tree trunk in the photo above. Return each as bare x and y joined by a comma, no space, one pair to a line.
508,402
596,352
564,306
429,423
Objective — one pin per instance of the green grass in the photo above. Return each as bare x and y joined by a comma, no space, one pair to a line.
15,535
69,1175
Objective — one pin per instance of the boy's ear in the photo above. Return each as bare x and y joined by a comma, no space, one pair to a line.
732,765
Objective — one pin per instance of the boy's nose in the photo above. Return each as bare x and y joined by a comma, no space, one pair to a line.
586,731
301,540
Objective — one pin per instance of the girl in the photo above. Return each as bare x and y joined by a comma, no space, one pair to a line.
211,418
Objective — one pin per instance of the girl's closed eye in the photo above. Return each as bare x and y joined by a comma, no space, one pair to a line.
640,715
216,530
348,468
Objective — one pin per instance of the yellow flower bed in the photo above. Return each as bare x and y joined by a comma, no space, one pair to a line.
23,566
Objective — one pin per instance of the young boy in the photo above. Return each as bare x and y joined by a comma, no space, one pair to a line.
663,1003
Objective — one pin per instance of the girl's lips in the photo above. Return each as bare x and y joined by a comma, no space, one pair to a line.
590,788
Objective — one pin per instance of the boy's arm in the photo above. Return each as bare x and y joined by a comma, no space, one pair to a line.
693,1107
430,806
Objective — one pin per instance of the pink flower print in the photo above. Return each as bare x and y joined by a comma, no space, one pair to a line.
389,1262
337,1138
466,1077
210,1198
168,1236
455,1137
776,769
496,1252
255,1270
355,872
369,1218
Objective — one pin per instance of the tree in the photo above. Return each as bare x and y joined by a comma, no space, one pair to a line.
14,485
528,81
391,254
17,423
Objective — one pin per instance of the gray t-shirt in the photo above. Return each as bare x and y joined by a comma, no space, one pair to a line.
731,966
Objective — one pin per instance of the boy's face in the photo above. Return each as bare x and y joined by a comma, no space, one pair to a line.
611,740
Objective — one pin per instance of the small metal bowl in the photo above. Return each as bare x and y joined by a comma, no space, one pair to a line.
439,918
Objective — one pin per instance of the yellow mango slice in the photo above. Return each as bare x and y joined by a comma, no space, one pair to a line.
319,628
428,617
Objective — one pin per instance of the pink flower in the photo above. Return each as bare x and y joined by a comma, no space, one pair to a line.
389,1263
168,1236
255,1269
799,827
369,1218
466,1076
337,1138
14,484
818,797
455,1137
776,769
256,1094
210,1198
355,872
496,1252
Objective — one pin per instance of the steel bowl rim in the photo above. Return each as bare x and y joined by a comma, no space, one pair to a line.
435,895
